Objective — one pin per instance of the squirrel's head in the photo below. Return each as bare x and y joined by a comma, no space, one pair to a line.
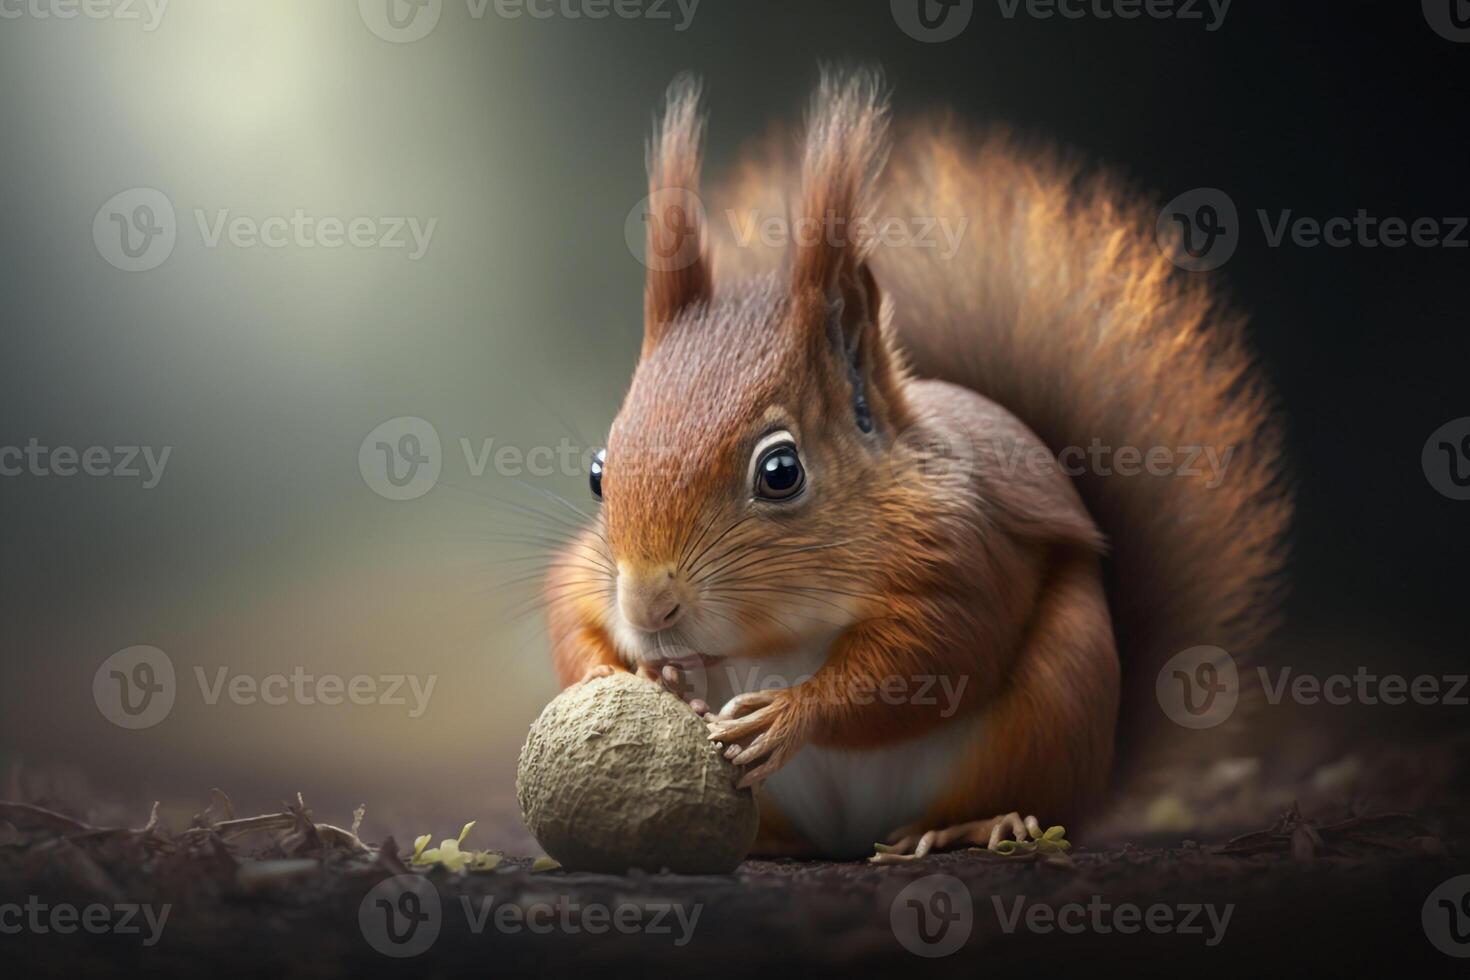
749,466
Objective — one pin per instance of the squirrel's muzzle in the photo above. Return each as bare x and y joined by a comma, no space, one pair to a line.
650,599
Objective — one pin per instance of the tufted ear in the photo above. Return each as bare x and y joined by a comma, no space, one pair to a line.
846,147
676,251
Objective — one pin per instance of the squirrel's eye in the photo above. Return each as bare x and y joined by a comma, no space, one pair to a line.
778,474
595,478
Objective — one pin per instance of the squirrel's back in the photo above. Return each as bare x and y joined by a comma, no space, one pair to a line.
1017,275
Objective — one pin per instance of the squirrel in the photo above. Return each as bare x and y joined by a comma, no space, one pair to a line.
848,471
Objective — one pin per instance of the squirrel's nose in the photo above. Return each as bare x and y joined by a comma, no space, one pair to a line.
650,601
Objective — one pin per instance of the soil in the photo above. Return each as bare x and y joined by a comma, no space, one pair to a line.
281,894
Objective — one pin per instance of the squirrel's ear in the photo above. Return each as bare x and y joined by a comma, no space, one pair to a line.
846,147
676,252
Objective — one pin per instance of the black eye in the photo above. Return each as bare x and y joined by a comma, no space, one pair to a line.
778,475
598,458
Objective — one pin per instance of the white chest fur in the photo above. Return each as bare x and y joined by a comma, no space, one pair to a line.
844,800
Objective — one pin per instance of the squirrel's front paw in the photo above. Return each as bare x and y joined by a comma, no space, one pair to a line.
762,729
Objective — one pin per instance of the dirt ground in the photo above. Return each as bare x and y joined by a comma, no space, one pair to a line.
285,894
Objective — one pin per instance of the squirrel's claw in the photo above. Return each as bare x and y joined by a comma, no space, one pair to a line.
723,729
907,845
760,729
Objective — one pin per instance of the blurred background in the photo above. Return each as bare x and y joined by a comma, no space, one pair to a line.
151,302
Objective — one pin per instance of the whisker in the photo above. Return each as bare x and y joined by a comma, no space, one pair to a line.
761,553
694,571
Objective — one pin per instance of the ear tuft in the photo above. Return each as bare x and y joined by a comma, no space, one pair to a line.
846,148
676,250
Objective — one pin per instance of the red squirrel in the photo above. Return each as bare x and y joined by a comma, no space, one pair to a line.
838,475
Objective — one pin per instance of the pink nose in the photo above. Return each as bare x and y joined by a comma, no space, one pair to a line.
649,603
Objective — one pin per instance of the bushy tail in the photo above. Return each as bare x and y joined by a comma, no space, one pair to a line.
1014,274
1058,304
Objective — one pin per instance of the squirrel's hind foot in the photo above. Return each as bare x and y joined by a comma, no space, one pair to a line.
910,843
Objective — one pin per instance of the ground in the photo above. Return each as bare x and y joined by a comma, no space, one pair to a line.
284,894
